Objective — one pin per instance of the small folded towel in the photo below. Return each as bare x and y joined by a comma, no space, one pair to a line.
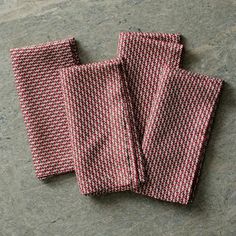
105,148
42,105
144,54
177,132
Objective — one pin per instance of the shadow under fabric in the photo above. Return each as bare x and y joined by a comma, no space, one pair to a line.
105,148
39,90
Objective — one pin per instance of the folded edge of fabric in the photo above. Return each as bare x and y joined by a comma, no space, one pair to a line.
171,38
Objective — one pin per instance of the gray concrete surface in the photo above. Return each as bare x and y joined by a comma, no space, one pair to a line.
30,207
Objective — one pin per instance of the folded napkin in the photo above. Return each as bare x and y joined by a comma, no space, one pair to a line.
136,122
42,105
105,148
144,54
177,132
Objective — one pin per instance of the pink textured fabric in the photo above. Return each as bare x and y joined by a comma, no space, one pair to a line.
136,122
144,54
42,105
176,133
105,147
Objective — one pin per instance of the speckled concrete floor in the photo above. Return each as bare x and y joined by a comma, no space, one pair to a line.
30,207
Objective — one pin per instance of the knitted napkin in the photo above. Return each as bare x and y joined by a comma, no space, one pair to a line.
177,132
104,140
144,54
42,105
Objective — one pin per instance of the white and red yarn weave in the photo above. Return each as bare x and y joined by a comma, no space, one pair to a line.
103,136
177,132
144,54
136,122
39,89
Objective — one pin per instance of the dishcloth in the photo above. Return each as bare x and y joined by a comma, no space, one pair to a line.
103,136
144,54
177,133
39,90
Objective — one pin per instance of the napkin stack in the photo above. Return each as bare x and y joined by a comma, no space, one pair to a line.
136,122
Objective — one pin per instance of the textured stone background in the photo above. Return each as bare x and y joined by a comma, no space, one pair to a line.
30,207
